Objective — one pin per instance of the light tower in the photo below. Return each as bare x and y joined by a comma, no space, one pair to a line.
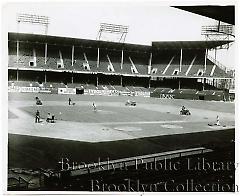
33,20
113,29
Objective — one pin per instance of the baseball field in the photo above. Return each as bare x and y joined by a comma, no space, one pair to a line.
113,131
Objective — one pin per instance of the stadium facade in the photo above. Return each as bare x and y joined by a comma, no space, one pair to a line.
182,69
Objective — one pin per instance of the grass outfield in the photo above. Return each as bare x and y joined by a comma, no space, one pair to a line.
103,114
211,105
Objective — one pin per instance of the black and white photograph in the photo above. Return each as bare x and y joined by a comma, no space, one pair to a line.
121,96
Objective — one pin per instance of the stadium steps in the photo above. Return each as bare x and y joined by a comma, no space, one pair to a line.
160,62
93,65
115,60
160,68
184,70
130,88
78,59
109,87
103,67
171,69
194,70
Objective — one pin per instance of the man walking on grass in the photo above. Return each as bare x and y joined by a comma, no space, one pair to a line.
37,117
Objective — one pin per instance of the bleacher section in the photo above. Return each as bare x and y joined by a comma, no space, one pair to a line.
164,63
56,62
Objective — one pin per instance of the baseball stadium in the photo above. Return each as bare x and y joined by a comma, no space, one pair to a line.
75,104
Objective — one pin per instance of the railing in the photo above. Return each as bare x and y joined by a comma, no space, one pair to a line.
220,65
132,161
217,29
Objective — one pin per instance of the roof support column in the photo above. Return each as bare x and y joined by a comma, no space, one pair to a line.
215,55
96,79
72,55
149,82
45,76
205,62
150,64
180,64
45,61
72,77
204,81
122,60
17,74
179,83
17,52
98,57
121,79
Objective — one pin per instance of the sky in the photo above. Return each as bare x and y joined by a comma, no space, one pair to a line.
147,21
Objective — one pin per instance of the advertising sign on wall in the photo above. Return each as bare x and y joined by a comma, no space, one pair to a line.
67,91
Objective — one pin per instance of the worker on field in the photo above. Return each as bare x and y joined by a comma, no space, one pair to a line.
37,117
218,121
69,101
94,107
48,117
53,118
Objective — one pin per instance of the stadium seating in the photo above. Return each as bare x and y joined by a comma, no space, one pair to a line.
103,66
21,83
142,69
60,58
82,68
109,87
126,68
100,87
78,59
90,86
219,73
120,88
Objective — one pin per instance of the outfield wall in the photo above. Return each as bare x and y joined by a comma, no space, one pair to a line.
74,91
196,96
164,94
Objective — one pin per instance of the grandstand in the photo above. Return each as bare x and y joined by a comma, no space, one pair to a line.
50,60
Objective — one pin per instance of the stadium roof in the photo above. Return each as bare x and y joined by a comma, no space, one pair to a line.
189,44
221,13
85,43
